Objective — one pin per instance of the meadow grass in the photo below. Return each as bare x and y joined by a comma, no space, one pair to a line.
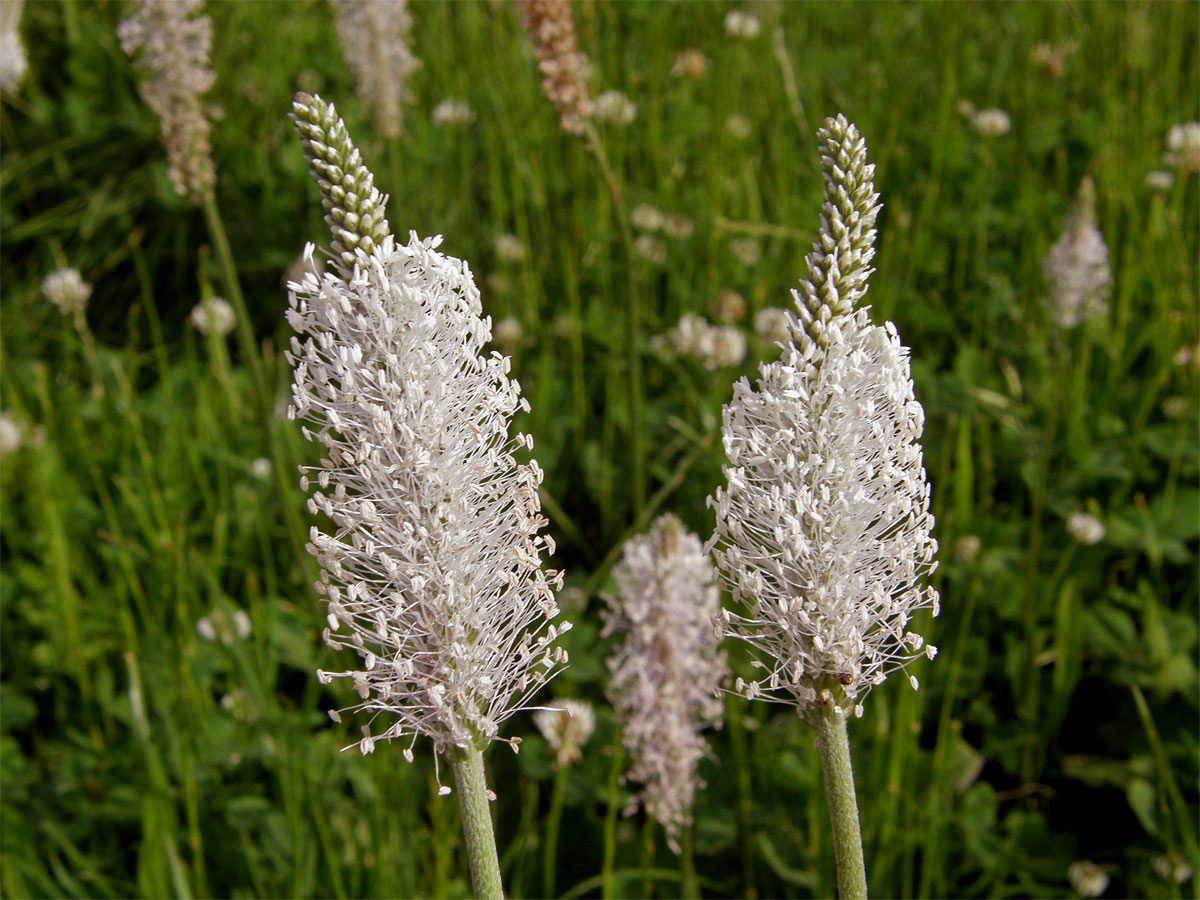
1059,722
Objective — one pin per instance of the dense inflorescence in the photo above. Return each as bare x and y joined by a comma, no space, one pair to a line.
823,528
170,41
563,64
432,569
375,37
1076,268
667,671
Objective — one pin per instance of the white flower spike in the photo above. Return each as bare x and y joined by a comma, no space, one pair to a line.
823,529
432,567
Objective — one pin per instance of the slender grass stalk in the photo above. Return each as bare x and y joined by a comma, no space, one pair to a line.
691,889
637,438
843,804
553,820
233,292
477,823
610,818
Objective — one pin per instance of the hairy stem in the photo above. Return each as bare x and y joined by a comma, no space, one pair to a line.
843,805
477,824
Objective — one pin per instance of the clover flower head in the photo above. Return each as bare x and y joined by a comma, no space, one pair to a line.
566,725
67,290
375,37
823,527
170,41
214,315
1085,529
1076,268
667,672
431,568
13,61
1183,147
990,123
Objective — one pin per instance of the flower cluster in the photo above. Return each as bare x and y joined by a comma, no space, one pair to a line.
374,38
666,674
170,42
564,65
823,528
566,725
13,62
67,290
213,315
431,569
714,346
1076,268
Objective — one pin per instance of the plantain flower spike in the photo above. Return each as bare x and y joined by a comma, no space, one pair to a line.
667,672
552,31
375,41
431,567
823,528
170,41
1076,268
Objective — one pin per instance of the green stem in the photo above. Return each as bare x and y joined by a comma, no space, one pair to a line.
691,890
632,324
610,819
843,806
550,853
477,824
233,288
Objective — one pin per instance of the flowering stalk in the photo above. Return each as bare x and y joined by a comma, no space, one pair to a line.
823,528
432,571
666,674
375,38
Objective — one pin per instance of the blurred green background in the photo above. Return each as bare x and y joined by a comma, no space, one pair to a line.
151,744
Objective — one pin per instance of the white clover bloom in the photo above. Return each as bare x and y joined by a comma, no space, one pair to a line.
823,528
507,334
678,226
745,250
967,547
773,325
689,63
67,290
1183,147
509,248
647,217
728,348
991,122
1087,878
728,306
431,568
1076,268
1085,529
1159,180
260,468
650,248
11,433
375,37
738,126
566,725
170,41
1171,868
453,112
614,108
13,62
742,25
667,672
213,316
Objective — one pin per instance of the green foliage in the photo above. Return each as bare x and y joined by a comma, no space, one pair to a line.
1059,721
